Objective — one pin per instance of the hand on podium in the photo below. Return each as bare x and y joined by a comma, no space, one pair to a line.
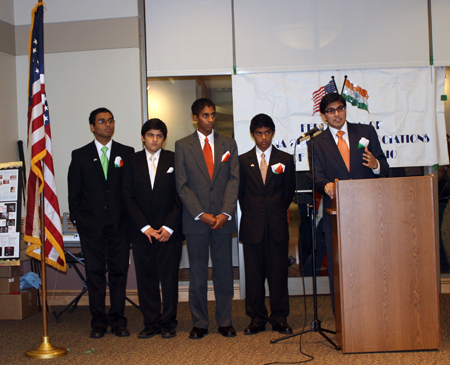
330,190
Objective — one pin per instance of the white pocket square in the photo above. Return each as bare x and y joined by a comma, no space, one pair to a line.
170,170
226,156
278,168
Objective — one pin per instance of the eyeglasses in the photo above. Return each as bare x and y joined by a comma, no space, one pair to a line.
340,109
104,121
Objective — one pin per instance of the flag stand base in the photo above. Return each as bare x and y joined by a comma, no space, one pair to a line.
46,351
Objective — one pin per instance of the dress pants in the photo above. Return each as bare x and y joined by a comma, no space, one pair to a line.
107,252
267,259
157,262
198,246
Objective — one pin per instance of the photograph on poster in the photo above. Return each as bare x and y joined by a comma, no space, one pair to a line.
9,245
8,216
9,183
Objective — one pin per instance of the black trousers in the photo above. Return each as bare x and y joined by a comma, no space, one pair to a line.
109,253
157,262
267,259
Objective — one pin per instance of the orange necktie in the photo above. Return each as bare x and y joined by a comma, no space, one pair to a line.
263,167
207,152
343,149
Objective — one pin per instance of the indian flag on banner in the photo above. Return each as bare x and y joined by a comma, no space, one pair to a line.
355,95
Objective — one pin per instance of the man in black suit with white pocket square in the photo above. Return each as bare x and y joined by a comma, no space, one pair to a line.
155,210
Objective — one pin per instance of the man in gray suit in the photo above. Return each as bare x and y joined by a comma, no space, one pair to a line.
207,179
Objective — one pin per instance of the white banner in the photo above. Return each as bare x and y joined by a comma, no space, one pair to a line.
405,108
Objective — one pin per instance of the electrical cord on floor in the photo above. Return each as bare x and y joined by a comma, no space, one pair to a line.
309,357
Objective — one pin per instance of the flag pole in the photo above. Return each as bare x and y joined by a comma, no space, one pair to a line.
45,350
345,79
334,83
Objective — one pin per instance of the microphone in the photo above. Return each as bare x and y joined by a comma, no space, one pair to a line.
311,132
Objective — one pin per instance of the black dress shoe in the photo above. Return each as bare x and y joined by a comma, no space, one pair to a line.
197,333
98,332
283,328
148,332
168,332
227,331
253,329
121,331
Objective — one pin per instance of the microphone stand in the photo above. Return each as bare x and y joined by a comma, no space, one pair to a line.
316,325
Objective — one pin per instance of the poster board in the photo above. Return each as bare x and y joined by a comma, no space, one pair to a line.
11,192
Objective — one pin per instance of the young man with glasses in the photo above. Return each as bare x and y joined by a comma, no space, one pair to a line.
97,209
339,154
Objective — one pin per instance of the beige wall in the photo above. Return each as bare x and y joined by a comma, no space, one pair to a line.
173,107
8,109
88,64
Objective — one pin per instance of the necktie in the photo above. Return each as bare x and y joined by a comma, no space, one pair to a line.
152,169
343,149
263,168
104,161
207,152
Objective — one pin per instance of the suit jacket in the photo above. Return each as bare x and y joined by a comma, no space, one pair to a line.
263,204
157,205
329,165
197,191
91,197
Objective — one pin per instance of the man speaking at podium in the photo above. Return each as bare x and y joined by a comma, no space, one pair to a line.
344,151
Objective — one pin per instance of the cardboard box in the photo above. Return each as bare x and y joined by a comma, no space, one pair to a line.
9,285
10,271
18,306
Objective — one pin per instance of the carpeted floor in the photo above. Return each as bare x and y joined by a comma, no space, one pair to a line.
73,333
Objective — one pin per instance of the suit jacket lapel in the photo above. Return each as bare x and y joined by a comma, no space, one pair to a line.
333,151
253,160
353,141
218,153
95,158
143,164
162,167
197,152
274,159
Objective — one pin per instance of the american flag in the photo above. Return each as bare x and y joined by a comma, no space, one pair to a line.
41,174
319,94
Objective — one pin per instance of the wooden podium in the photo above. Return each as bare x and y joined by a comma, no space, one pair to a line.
385,265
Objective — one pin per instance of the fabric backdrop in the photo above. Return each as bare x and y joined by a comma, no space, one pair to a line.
405,108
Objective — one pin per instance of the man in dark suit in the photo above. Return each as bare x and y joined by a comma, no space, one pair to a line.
155,210
329,164
266,189
97,209
207,177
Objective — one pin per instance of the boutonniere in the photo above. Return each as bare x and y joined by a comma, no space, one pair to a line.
170,170
363,143
226,156
118,162
278,168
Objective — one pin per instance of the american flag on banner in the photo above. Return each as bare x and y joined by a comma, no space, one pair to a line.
319,94
41,176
